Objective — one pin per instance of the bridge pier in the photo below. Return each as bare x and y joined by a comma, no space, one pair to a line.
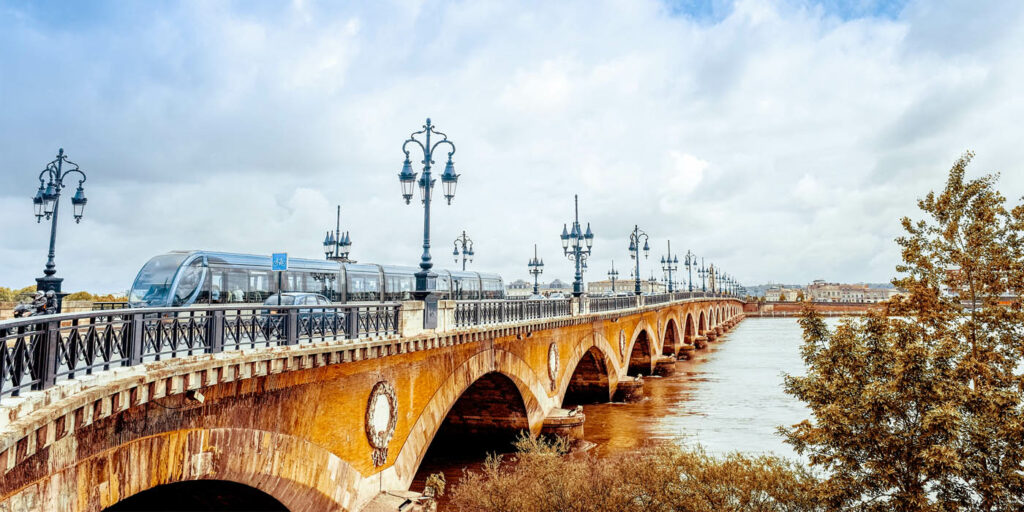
665,366
629,391
700,342
686,352
567,424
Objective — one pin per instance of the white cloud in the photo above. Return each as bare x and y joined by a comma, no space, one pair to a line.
781,141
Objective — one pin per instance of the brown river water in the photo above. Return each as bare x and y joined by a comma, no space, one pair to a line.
728,397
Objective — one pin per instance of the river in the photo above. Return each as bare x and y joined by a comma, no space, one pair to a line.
728,397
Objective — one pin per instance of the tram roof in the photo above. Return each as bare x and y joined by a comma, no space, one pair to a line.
260,260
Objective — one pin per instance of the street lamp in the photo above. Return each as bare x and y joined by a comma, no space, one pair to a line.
690,262
536,269
669,264
613,275
702,271
425,279
634,252
652,282
467,249
46,203
576,245
337,244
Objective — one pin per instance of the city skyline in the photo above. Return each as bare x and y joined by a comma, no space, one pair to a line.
795,132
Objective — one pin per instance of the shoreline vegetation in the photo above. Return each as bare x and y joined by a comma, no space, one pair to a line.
916,407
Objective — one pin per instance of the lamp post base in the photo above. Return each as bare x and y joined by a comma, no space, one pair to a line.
51,283
426,284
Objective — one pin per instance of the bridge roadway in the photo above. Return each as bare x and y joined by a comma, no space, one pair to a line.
319,409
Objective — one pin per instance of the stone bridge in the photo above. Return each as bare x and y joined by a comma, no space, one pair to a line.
329,425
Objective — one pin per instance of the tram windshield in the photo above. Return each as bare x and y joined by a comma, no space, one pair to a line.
153,284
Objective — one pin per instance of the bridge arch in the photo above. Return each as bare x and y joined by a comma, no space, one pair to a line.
670,343
200,495
601,350
702,325
531,388
589,378
227,454
641,351
689,328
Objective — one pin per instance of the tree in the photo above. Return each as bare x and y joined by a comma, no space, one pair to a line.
919,407
800,296
782,297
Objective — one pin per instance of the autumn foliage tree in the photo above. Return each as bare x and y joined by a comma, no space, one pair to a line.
920,407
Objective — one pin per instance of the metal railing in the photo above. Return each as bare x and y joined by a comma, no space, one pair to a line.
107,306
599,304
39,351
482,312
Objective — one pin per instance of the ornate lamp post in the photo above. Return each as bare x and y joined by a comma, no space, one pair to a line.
669,264
467,249
536,269
652,282
702,271
46,203
576,245
613,275
690,262
425,279
634,252
337,244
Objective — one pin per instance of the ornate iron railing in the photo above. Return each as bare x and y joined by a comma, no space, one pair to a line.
483,312
599,304
105,306
39,351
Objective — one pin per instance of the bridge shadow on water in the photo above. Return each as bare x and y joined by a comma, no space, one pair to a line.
200,496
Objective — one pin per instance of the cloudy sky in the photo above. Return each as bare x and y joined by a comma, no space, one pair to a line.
780,139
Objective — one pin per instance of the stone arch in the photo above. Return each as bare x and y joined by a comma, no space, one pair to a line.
702,325
533,391
301,475
671,341
579,349
199,495
689,329
641,352
490,411
589,379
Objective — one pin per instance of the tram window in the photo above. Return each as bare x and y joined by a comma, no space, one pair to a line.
363,286
188,282
237,285
259,286
471,288
399,287
216,286
492,288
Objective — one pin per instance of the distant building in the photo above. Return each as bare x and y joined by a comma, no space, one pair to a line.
624,285
522,288
782,293
821,291
519,288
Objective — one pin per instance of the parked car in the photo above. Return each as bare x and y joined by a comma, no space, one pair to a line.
271,319
557,295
